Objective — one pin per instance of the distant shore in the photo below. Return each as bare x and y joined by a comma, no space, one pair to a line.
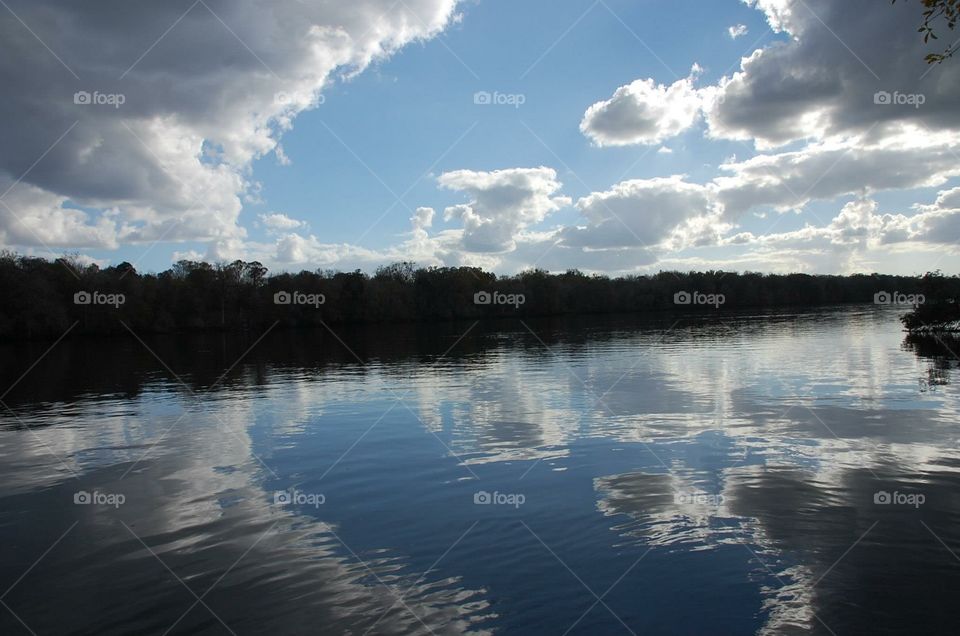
47,299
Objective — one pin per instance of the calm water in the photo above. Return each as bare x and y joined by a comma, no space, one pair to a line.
704,476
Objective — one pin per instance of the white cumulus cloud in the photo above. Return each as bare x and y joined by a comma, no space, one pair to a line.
737,31
503,204
280,221
155,111
643,112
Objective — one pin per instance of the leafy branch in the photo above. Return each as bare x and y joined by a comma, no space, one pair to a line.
936,11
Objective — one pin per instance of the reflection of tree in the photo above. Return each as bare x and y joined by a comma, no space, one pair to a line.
941,351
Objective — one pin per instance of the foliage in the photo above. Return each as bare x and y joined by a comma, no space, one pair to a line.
940,305
38,295
934,11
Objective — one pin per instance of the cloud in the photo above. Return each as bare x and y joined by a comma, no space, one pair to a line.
289,250
643,112
948,199
938,223
156,111
851,133
279,221
857,224
810,91
421,220
860,232
826,170
737,31
639,213
503,204
297,249
32,216
420,245
174,160
823,80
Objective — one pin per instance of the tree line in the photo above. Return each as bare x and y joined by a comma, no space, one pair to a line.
43,298
939,307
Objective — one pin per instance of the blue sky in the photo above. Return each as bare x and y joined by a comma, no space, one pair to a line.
636,186
405,116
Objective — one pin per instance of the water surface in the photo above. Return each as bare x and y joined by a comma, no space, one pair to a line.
686,475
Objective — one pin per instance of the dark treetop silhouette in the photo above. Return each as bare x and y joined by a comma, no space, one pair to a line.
42,298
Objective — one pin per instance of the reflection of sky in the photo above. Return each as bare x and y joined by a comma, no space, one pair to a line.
792,426
198,499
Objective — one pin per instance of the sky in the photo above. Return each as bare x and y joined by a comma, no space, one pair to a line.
613,136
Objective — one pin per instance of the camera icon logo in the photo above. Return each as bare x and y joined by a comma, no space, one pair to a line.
482,497
482,298
282,298
682,298
82,97
282,498
882,298
82,497
882,98
482,98
82,298
882,497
